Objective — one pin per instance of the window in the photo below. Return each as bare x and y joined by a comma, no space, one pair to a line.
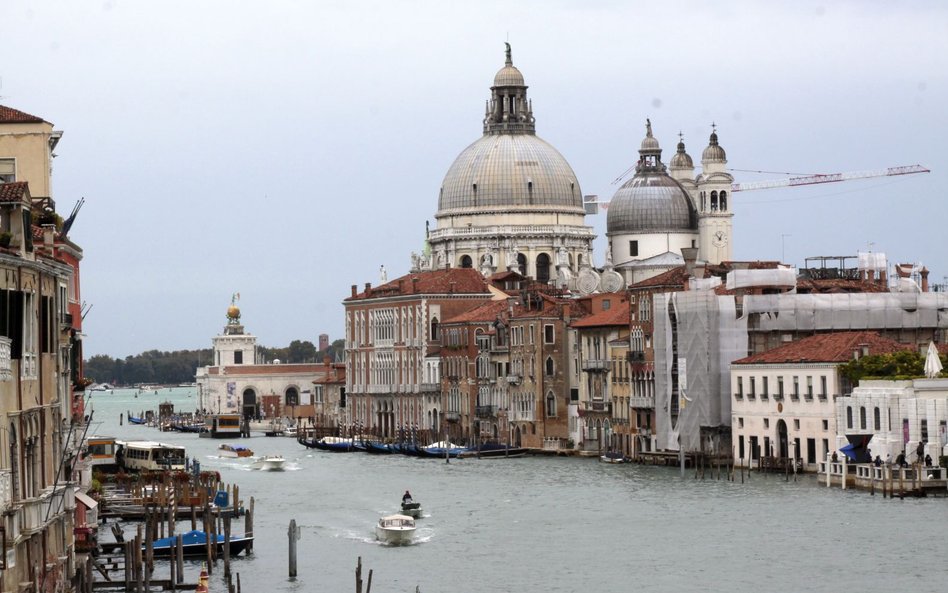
796,424
292,397
740,388
549,366
849,417
796,387
765,385
823,387
606,304
809,387
753,388
645,312
7,170
780,387
435,329
543,268
924,430
633,248
238,357
876,419
826,425
862,417
550,405
740,422
548,334
466,261
766,422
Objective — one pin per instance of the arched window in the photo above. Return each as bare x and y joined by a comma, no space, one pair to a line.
543,268
714,201
723,201
849,417
862,417
549,366
466,261
876,419
435,329
704,201
292,396
550,405
522,264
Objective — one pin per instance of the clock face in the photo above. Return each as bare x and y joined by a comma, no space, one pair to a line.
719,238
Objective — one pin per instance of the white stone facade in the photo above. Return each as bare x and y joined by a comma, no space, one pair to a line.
783,410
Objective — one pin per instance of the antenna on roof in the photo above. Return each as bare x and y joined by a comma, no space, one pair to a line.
67,224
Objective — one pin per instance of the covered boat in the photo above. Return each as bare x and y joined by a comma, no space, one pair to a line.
395,529
194,543
228,450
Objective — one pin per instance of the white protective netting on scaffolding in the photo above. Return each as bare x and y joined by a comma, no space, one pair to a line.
697,336
847,311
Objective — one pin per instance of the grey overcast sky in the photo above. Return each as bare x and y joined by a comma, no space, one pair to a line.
286,150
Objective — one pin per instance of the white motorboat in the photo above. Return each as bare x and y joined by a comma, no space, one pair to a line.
271,463
233,451
395,529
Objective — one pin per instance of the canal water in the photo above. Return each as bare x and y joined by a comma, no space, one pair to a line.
545,524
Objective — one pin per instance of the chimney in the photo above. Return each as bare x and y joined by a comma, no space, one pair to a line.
368,286
690,255
871,275
327,360
883,279
414,284
354,290
924,274
865,349
451,287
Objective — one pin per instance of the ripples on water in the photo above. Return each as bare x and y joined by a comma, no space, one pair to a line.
562,524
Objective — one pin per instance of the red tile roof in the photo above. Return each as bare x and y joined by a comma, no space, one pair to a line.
831,347
839,285
618,314
13,192
450,280
8,115
676,277
485,313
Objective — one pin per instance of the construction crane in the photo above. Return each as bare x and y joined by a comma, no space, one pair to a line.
593,203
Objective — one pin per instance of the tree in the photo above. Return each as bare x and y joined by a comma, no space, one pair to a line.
905,364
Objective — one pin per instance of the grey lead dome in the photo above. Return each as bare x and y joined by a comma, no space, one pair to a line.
652,201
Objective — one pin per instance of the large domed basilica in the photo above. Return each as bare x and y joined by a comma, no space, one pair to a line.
510,201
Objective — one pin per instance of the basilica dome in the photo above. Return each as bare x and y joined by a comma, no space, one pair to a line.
510,171
652,201
509,168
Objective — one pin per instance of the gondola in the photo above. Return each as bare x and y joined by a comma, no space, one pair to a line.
194,543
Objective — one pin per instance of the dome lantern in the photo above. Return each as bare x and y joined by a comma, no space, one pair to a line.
508,110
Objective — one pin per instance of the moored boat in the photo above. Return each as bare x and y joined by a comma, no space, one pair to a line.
395,529
194,543
334,444
443,449
379,448
495,451
228,450
612,457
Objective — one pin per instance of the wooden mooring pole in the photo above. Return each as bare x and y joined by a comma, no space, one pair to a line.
248,525
294,535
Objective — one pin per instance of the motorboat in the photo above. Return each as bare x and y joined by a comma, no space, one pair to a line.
395,529
612,457
270,463
411,508
231,451
194,543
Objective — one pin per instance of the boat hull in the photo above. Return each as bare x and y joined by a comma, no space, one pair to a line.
195,544
395,537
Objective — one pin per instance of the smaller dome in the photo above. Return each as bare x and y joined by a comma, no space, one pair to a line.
713,153
681,159
508,76
649,143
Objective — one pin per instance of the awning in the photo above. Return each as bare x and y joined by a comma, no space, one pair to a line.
87,500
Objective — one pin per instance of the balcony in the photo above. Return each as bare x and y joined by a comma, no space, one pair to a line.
599,407
6,366
644,432
430,387
595,366
514,379
778,397
822,397
636,356
739,396
452,416
643,401
6,489
485,411
521,416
